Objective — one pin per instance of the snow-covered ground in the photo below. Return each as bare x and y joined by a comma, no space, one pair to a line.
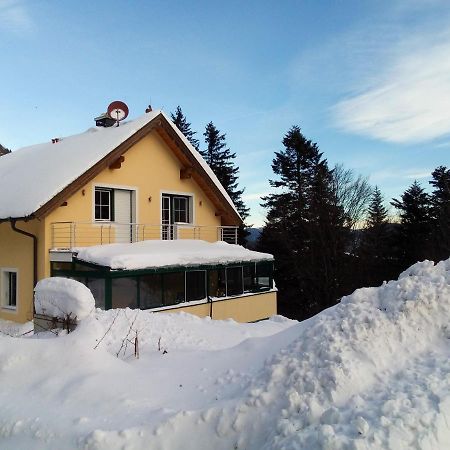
372,372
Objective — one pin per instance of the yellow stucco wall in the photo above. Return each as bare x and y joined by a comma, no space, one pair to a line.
249,308
16,252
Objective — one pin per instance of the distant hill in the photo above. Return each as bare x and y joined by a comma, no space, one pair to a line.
253,237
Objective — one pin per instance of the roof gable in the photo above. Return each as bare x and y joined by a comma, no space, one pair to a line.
40,177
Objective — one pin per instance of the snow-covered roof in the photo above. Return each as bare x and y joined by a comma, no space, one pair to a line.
158,254
33,175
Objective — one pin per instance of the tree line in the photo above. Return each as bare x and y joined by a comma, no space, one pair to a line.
328,229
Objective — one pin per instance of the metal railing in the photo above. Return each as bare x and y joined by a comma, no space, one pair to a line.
68,235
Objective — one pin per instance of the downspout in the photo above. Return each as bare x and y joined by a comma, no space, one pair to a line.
35,251
210,307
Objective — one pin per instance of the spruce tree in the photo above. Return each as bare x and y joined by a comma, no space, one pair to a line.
304,228
221,161
440,213
179,119
413,236
376,243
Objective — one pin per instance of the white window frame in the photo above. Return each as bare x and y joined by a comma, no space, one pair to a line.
191,205
110,193
4,278
113,187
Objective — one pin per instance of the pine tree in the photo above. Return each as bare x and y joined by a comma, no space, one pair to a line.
304,228
377,214
221,161
415,225
179,119
376,243
440,213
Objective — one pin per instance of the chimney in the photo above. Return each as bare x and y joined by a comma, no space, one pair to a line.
104,120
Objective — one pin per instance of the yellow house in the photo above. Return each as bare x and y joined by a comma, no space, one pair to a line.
133,212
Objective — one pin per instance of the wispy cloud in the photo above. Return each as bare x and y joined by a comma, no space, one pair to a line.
15,16
409,174
408,101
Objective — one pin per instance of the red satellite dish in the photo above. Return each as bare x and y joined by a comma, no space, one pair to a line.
118,110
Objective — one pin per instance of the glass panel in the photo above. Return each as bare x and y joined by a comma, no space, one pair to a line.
102,204
234,281
173,288
105,197
150,291
216,283
195,285
97,287
249,278
124,292
180,209
264,276
12,300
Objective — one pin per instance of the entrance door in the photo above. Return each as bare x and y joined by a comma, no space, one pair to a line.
123,215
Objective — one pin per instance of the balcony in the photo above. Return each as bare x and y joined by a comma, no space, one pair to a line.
69,235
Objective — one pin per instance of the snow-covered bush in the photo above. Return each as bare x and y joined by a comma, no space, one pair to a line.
61,297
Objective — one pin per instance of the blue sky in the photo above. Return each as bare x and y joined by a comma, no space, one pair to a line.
369,81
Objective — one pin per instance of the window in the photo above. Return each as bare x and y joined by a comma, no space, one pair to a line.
234,281
181,209
103,204
150,291
217,283
264,275
195,285
249,278
8,285
97,287
124,292
174,288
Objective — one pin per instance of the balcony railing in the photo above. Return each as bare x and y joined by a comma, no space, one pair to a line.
68,235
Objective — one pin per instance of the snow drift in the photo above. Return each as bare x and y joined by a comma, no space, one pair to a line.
373,372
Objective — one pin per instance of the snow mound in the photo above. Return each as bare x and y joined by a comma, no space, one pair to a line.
373,372
59,297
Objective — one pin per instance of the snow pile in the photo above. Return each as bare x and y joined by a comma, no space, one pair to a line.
59,297
154,253
373,372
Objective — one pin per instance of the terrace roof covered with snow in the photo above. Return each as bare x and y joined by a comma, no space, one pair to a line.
161,254
41,177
